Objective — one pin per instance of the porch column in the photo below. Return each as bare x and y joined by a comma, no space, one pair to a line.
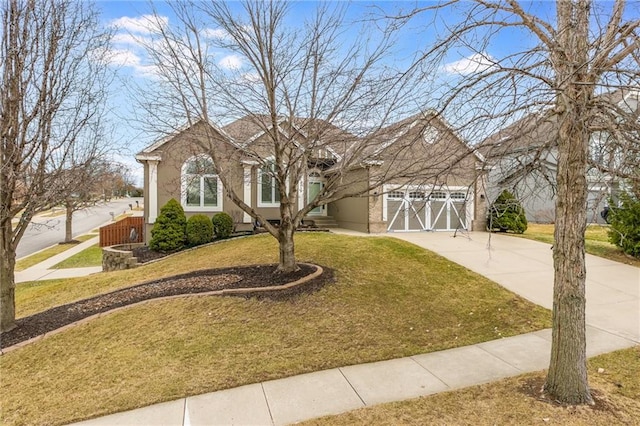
301,192
246,218
385,197
153,190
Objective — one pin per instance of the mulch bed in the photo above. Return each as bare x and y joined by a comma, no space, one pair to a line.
253,276
144,254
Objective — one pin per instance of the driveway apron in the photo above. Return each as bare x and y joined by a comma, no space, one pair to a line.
525,267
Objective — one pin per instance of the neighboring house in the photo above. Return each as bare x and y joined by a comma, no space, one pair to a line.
522,157
415,175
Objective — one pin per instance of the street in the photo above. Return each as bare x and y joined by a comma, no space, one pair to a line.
47,231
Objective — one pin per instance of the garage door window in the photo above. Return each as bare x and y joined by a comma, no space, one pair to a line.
438,195
396,195
458,196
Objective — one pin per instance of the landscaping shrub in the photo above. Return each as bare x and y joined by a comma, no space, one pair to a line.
625,224
222,225
168,233
507,215
199,230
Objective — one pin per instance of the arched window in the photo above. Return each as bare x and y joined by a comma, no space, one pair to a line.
201,186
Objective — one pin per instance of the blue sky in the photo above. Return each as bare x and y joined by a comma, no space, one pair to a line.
128,20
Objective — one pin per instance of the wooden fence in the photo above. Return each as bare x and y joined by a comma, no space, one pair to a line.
120,232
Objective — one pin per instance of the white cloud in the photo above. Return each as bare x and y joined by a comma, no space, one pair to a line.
124,57
128,58
215,33
476,63
126,39
231,62
145,24
150,71
251,77
129,41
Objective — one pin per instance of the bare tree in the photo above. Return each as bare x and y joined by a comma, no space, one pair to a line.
317,96
53,81
560,79
76,187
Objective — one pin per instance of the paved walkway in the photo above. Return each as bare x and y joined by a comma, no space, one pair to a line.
523,266
43,271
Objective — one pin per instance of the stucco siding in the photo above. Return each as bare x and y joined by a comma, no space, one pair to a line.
353,212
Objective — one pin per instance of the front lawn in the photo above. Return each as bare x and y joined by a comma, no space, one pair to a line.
596,241
390,299
516,401
91,256
41,256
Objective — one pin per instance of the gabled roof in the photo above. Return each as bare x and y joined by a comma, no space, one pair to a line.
333,140
534,132
538,131
249,128
148,152
389,135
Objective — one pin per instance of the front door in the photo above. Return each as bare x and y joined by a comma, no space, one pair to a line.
313,189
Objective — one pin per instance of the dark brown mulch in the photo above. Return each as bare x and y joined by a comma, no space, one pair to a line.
144,254
254,276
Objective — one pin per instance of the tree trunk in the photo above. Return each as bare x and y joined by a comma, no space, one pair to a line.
7,281
287,259
567,377
68,234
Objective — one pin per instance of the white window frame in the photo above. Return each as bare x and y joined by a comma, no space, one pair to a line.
268,163
187,178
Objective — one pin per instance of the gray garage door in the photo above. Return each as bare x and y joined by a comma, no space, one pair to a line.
409,210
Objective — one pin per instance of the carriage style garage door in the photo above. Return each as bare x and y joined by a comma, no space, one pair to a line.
419,210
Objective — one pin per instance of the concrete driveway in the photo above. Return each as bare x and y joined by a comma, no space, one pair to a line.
526,268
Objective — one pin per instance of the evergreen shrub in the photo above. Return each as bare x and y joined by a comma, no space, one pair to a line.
507,215
168,233
625,224
222,225
199,230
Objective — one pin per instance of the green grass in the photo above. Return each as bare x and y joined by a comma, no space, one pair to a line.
45,254
91,256
617,393
596,241
391,299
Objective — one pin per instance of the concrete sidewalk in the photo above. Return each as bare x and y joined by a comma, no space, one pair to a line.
43,271
307,396
523,266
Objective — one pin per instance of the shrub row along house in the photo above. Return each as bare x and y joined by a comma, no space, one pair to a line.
413,175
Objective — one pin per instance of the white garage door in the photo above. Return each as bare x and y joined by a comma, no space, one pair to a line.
417,210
